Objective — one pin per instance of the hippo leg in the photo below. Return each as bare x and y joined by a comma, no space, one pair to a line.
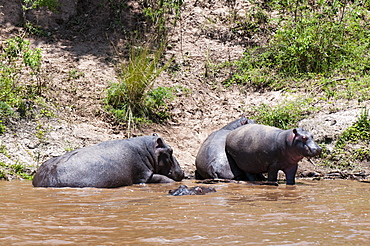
273,172
250,176
213,173
197,175
237,173
158,178
290,174
260,177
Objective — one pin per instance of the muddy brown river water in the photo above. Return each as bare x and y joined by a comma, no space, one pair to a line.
327,212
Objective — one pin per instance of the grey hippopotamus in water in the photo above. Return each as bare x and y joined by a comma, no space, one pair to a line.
198,190
212,161
110,164
257,148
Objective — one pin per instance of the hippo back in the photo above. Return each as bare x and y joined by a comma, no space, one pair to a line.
238,123
110,164
211,160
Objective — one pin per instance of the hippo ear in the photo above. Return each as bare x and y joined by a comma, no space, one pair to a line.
295,131
243,120
155,134
160,143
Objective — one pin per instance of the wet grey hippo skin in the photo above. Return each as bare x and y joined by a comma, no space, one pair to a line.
257,148
211,161
110,164
198,190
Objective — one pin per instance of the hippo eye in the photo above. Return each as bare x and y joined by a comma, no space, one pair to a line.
304,139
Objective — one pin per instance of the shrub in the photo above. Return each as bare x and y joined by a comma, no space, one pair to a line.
17,62
285,115
323,38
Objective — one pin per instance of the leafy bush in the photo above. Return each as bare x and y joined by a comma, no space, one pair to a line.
321,37
285,115
27,5
17,60
325,38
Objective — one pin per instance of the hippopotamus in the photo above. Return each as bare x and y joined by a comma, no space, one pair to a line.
111,164
258,148
212,161
198,190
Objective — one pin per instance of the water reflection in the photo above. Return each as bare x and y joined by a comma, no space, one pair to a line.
310,213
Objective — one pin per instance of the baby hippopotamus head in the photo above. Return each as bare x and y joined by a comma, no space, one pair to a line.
198,190
303,143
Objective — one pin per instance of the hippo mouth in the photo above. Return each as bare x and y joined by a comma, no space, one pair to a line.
311,152
177,176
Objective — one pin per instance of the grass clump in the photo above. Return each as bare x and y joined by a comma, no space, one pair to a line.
134,99
352,145
16,170
161,14
359,131
285,115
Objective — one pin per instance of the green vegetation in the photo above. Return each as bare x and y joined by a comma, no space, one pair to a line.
352,145
17,94
317,47
134,99
158,12
34,4
16,170
27,5
75,74
285,115
21,88
359,131
314,44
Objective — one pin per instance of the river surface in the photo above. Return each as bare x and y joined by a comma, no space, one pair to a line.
327,212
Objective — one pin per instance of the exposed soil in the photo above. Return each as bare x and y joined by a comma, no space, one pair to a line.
82,40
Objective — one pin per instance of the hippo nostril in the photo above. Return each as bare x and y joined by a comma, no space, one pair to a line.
319,150
315,151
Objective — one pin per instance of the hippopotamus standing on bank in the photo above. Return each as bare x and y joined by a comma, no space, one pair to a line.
257,148
211,161
110,164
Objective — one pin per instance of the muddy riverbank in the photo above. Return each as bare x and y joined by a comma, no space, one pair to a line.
79,63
